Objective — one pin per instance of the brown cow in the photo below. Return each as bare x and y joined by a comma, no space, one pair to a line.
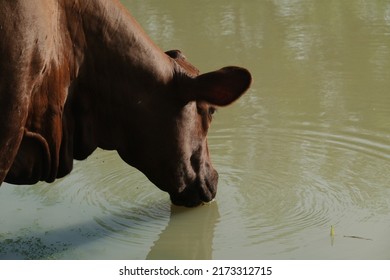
76,75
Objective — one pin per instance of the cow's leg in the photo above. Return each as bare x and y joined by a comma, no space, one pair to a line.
13,114
9,145
21,32
32,162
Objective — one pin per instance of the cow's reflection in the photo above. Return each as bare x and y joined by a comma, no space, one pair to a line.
188,235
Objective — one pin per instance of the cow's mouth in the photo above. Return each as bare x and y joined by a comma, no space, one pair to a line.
190,201
196,194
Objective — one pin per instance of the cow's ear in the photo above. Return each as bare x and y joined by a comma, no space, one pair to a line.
222,87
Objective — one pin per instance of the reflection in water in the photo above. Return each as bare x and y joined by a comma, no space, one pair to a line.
308,147
193,234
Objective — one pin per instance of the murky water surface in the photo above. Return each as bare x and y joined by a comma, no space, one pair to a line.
307,148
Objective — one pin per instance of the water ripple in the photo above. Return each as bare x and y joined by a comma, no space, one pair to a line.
298,179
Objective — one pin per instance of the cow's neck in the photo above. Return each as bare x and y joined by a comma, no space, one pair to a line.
109,23
116,66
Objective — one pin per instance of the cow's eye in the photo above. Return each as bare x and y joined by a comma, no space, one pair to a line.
212,110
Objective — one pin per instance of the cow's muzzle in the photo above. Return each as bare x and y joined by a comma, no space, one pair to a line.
202,190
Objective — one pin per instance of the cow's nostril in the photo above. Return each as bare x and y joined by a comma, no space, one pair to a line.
195,160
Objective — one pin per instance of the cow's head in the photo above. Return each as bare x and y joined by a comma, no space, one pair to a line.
173,151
